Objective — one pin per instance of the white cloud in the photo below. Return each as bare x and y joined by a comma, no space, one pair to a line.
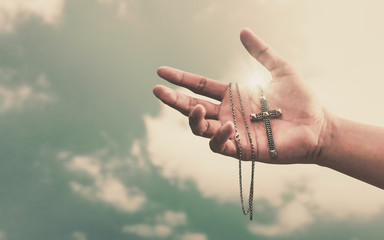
163,226
182,157
79,236
12,11
15,94
104,187
63,155
193,236
149,231
210,9
124,8
42,81
172,218
140,162
85,164
292,217
3,236
113,192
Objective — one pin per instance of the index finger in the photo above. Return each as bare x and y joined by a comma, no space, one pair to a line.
197,84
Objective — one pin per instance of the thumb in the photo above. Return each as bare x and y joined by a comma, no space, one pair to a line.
261,51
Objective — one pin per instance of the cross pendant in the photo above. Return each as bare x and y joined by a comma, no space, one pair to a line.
266,115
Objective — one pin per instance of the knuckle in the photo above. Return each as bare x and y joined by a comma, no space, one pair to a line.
169,98
217,109
206,132
192,103
201,84
182,77
261,52
177,100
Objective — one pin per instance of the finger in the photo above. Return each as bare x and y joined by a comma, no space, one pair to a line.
184,103
199,125
197,84
220,142
261,51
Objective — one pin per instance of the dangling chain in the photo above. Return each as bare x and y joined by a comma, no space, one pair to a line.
237,138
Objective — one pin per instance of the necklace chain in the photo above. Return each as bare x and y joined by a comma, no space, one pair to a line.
239,152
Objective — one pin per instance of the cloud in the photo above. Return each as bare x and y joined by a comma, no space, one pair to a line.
12,12
140,162
149,231
113,192
182,157
172,218
210,9
105,186
124,8
163,226
193,236
292,217
85,164
16,94
3,236
79,236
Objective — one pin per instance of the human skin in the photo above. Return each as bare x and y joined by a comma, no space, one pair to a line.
305,133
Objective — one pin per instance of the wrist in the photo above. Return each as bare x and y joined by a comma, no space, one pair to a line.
327,138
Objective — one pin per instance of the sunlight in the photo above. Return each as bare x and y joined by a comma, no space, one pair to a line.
252,74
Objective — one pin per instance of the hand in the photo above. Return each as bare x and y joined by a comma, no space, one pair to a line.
298,133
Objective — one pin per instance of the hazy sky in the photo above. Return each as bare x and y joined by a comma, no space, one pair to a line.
88,153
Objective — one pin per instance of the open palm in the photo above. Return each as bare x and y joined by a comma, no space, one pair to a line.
297,133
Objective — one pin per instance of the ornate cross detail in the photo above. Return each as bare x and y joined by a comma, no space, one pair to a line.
260,116
266,115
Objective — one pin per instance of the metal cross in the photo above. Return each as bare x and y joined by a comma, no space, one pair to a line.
266,115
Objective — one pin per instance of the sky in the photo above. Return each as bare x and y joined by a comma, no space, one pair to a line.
88,153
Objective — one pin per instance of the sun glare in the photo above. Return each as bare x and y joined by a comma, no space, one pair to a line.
253,74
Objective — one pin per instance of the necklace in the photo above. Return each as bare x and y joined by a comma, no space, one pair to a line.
239,152
266,116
